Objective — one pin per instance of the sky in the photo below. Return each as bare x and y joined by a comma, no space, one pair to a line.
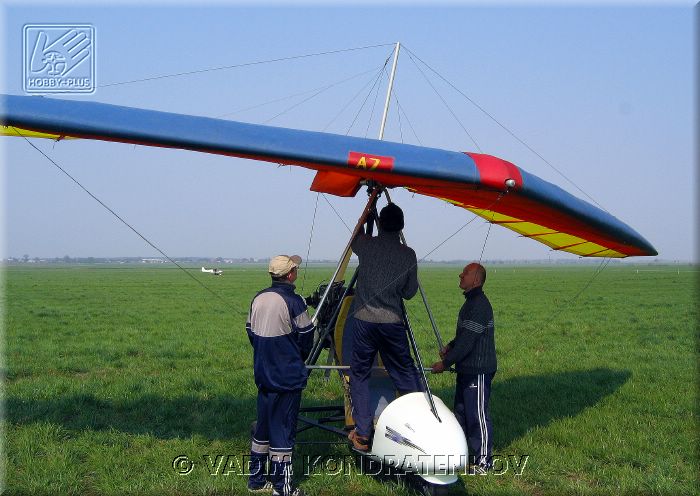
604,93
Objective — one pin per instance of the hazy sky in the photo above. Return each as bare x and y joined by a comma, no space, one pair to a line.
604,93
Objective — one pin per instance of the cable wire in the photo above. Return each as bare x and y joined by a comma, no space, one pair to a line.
115,214
245,64
308,249
252,107
336,213
348,104
401,110
321,90
374,103
558,311
449,109
483,248
372,297
506,129
458,230
377,79
398,115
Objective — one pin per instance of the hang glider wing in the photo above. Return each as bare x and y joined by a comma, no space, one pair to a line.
532,207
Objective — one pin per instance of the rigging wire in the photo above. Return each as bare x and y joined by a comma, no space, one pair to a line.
252,107
506,129
372,297
324,196
600,270
559,310
603,264
245,64
458,230
336,213
374,103
380,69
398,115
321,90
308,249
121,219
377,79
438,246
348,104
400,111
445,103
486,239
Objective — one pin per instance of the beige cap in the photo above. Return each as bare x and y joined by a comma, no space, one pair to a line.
281,265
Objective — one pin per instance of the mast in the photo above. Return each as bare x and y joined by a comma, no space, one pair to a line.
388,90
403,240
409,330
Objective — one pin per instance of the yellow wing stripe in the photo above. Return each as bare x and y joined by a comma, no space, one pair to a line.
554,239
16,131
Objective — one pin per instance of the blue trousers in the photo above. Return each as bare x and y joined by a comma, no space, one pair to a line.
392,344
274,438
472,411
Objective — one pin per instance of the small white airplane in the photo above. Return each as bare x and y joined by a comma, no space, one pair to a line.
216,272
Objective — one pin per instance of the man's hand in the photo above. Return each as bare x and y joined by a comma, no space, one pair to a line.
438,368
444,351
370,222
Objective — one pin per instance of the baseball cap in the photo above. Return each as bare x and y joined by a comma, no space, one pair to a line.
281,265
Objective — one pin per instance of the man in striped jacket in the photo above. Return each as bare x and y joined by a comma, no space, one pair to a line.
281,332
473,352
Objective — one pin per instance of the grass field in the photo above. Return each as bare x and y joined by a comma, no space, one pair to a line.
112,373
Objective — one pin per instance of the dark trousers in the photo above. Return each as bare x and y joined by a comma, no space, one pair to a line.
392,344
274,438
472,411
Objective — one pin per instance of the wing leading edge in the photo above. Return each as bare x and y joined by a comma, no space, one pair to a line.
532,207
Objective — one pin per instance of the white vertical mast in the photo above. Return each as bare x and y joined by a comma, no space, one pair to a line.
386,192
388,91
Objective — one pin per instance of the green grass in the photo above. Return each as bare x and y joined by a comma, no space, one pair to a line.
111,373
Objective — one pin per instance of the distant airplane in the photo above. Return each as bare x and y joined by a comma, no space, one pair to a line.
216,272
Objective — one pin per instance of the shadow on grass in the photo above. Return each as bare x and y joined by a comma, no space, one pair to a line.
224,417
520,404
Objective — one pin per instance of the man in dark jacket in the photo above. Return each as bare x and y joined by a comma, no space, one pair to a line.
473,353
281,332
387,274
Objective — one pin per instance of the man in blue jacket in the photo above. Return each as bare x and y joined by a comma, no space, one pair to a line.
281,332
473,353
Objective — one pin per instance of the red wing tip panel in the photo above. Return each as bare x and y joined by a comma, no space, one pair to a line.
495,172
474,181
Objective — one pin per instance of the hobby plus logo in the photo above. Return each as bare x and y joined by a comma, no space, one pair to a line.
59,58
